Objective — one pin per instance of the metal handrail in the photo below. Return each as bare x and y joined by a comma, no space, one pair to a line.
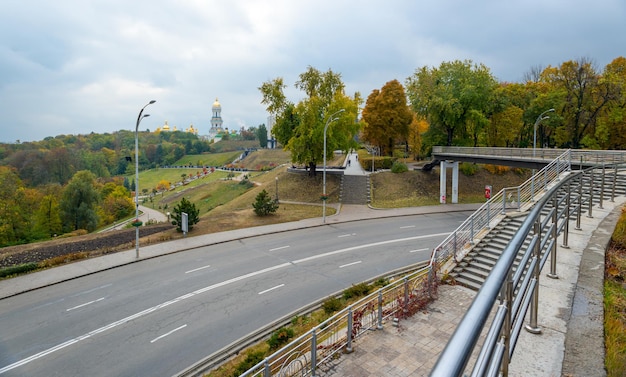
517,287
304,354
519,198
583,156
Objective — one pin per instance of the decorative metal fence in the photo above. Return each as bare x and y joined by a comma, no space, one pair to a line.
304,355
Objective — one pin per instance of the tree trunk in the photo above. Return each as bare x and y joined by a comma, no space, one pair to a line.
312,169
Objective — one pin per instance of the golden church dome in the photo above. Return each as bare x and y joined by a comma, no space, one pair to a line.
216,104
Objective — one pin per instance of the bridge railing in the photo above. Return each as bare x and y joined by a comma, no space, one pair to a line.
578,156
517,288
459,242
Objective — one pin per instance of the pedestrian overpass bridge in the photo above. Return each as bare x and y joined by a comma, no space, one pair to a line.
535,158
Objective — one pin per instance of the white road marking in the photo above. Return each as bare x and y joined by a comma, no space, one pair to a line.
407,226
308,259
197,269
346,235
85,304
418,250
168,333
93,289
350,264
194,293
271,289
279,248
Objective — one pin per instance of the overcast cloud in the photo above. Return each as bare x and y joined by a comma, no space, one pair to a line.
81,66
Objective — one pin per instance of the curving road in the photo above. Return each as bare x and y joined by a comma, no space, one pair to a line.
159,316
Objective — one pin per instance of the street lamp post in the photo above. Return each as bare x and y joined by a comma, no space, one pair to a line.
139,118
330,119
539,119
276,189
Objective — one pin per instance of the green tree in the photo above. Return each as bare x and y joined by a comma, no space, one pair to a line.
455,98
264,205
48,216
13,214
611,127
261,134
79,202
387,117
192,214
300,127
584,95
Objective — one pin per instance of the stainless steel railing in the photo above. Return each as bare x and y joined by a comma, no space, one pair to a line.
516,287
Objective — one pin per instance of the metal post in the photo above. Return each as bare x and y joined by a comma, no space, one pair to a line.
590,208
506,334
380,310
276,189
139,118
580,201
504,201
406,296
602,187
614,183
488,215
313,352
472,229
349,334
266,369
519,198
568,202
455,245
534,303
555,223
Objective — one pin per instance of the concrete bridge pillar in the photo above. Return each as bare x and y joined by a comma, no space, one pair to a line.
455,181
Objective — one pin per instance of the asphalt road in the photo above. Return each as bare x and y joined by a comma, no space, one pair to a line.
159,316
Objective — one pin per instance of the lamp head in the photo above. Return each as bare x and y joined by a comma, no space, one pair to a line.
151,102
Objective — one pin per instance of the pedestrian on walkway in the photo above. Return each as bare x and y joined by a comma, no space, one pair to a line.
348,162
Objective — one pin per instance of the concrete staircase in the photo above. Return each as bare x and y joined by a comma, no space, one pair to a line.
355,189
472,271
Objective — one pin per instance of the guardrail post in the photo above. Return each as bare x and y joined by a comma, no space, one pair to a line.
472,229
503,201
568,202
405,309
532,187
488,215
590,207
555,223
380,310
580,201
506,333
534,303
519,198
614,183
313,352
602,188
545,180
455,245
266,369
349,335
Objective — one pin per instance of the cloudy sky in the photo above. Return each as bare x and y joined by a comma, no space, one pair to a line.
82,66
